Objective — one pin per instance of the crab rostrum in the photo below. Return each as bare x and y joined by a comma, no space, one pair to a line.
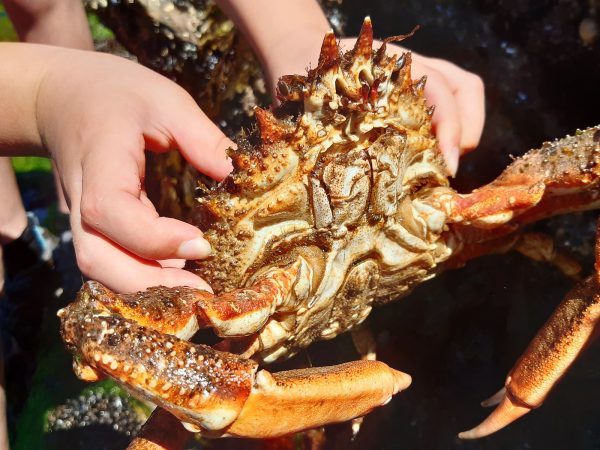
337,202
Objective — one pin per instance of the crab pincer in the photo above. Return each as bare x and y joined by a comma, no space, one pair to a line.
212,392
570,329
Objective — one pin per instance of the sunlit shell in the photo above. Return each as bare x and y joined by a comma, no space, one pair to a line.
335,174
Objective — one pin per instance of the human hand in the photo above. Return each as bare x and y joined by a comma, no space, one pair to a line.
97,114
459,99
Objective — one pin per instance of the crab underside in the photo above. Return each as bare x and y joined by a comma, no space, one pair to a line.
338,201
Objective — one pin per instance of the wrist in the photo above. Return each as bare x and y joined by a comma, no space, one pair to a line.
285,34
294,53
50,101
21,71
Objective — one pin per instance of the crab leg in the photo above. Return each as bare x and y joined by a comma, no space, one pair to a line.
315,397
570,329
537,246
286,402
560,177
242,312
194,382
182,311
365,345
162,431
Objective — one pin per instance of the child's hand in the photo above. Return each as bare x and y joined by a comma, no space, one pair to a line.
97,114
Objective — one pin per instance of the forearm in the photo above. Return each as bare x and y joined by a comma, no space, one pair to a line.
280,31
21,72
53,22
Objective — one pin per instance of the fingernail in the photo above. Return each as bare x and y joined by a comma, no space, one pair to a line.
174,263
196,248
451,158
202,285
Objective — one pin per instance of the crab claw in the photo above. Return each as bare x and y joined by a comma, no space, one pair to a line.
219,393
315,397
506,413
570,329
284,402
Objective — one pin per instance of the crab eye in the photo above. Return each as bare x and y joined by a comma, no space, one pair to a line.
282,88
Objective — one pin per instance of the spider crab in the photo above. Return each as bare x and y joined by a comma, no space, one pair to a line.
339,201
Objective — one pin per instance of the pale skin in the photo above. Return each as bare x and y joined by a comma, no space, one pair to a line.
39,22
42,21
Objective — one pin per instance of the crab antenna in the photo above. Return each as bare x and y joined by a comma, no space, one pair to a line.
364,43
398,38
506,413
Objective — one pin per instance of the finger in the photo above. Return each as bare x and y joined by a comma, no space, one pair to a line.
469,93
446,119
102,260
467,89
471,105
172,263
198,139
113,203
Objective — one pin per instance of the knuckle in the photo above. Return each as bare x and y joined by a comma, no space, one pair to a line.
434,75
476,82
91,210
85,258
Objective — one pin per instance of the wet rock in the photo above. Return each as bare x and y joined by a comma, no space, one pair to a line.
95,408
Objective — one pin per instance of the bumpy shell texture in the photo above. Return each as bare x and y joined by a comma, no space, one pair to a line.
338,175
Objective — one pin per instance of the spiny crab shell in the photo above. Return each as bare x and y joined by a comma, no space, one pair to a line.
339,174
